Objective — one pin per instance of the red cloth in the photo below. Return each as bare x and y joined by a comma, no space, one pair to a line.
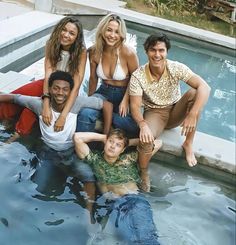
27,118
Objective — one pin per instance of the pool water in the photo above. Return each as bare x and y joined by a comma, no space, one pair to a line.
187,208
217,68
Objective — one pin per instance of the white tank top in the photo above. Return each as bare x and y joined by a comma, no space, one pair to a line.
62,65
61,140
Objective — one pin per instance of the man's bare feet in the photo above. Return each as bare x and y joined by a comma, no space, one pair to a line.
145,180
190,157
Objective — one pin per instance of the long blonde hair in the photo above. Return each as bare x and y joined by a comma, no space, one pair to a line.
53,46
102,27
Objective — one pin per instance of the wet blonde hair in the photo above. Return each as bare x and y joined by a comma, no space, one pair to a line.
102,27
53,45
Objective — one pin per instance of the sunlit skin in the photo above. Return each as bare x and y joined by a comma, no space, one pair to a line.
68,35
112,35
59,91
113,148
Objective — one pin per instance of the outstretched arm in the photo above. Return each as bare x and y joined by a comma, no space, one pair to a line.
6,98
82,138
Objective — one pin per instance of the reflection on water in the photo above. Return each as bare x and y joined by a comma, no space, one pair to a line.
187,209
219,70
191,209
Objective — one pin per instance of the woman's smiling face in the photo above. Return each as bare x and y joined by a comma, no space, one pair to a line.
112,33
69,34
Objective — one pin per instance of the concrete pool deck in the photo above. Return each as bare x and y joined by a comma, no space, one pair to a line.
213,152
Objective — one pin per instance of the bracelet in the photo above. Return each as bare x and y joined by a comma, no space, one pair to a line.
45,95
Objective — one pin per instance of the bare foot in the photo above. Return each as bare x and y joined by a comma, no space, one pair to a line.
157,146
190,157
13,138
145,180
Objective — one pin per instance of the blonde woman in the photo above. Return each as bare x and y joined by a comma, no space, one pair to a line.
112,61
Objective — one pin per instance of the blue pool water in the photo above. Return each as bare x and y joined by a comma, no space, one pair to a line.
216,68
187,208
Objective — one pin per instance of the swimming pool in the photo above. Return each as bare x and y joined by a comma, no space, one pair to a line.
216,66
187,208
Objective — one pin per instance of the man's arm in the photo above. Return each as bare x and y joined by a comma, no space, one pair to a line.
145,134
31,102
203,92
82,138
89,102
7,98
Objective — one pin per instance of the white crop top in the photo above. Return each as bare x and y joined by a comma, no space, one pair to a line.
118,74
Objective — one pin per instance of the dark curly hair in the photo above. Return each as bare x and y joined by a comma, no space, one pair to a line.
154,38
60,75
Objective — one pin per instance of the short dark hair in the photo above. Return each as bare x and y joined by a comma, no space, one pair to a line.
120,134
154,38
61,75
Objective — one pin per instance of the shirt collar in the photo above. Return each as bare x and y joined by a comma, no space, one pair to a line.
149,76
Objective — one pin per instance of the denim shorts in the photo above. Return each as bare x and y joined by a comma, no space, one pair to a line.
113,94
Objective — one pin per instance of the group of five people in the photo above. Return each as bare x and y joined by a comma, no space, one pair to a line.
141,101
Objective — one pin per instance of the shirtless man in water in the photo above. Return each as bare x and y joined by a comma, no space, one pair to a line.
156,85
117,177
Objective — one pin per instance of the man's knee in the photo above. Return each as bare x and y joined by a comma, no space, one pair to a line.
191,94
145,148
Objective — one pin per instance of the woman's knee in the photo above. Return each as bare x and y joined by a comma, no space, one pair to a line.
86,120
88,115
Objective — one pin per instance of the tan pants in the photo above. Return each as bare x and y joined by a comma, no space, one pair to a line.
166,118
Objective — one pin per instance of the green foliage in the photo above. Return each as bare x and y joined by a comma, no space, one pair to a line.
129,4
183,11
